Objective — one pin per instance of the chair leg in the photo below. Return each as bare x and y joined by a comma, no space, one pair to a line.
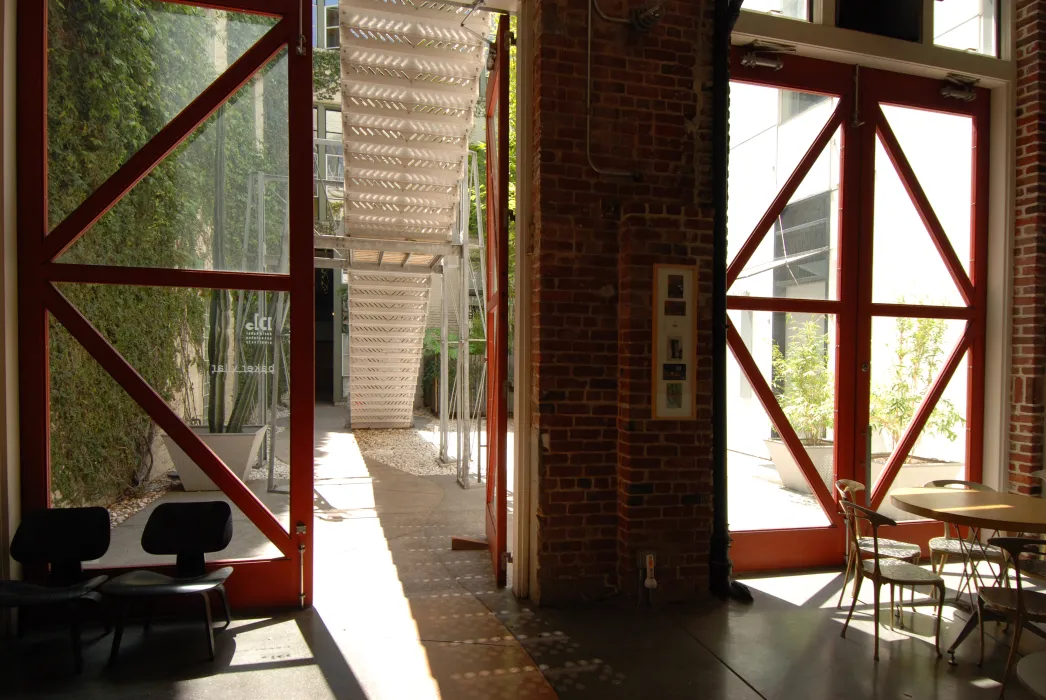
114,652
225,602
980,626
892,613
853,604
876,613
846,579
74,633
208,623
1018,625
940,615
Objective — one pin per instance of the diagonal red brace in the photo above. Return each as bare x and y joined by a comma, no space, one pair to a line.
154,405
142,163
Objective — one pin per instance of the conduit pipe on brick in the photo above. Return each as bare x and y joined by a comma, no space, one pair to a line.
641,20
720,567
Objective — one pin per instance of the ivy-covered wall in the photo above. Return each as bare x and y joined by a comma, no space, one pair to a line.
118,71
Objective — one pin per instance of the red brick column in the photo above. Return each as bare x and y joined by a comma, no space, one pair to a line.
664,467
1028,374
610,480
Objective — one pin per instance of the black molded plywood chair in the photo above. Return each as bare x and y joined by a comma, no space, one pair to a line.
60,539
188,531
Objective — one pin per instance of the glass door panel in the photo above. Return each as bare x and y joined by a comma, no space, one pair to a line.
771,131
113,87
938,147
218,202
794,357
908,357
907,267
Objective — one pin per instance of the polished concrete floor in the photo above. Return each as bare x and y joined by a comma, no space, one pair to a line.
400,616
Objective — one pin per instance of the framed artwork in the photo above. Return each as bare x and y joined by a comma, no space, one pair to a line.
675,335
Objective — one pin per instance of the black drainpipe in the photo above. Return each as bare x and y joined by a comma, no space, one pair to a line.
722,584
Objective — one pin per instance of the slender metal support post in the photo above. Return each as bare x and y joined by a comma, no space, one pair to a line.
262,301
464,333
444,367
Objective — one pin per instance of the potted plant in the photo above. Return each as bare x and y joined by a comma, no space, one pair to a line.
805,389
238,341
916,362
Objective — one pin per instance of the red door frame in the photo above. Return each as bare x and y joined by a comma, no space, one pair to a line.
854,309
284,581
497,305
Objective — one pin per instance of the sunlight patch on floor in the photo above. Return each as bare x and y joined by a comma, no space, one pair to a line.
358,586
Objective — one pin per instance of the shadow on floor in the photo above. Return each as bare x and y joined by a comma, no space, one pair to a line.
400,616
288,656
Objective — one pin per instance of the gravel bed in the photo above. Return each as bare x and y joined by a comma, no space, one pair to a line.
403,449
134,501
260,472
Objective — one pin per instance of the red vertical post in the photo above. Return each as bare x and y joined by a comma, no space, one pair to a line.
33,383
497,303
303,309
979,277
847,281
860,263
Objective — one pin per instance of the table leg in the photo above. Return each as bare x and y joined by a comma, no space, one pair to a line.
970,626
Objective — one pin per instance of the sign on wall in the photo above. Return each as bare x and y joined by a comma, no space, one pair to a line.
675,332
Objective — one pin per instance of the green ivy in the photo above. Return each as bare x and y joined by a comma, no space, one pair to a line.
119,70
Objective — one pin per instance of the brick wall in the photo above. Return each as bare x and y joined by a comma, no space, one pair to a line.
610,479
1028,380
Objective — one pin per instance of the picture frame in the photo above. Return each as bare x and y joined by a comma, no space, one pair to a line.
674,327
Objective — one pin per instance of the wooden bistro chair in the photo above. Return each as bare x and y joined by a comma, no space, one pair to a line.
893,549
970,551
884,570
1013,604
1036,566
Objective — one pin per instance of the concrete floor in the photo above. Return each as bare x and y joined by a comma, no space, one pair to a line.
400,616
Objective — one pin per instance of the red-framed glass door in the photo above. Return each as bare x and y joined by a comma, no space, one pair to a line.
497,302
842,360
119,223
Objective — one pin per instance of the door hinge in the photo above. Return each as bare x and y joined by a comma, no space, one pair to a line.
507,387
511,38
301,529
506,559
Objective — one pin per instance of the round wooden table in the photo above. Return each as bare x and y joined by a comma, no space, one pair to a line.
988,510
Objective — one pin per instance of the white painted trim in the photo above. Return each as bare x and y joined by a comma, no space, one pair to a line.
824,12
10,504
847,46
927,27
999,328
524,544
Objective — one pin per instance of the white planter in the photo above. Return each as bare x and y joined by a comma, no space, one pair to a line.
788,470
911,475
237,450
